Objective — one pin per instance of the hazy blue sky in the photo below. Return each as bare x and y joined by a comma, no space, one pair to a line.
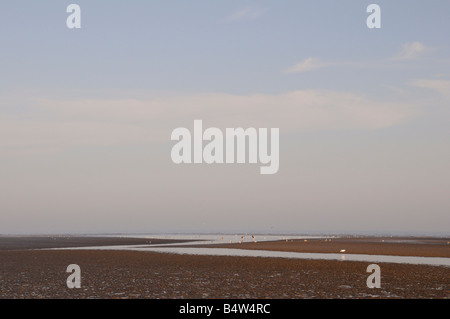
86,115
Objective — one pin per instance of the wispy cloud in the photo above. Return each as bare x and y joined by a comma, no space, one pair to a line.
411,51
248,13
441,86
307,65
90,122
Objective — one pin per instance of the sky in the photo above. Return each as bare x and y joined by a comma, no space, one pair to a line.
86,116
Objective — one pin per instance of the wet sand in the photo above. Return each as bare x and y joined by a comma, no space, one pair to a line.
130,274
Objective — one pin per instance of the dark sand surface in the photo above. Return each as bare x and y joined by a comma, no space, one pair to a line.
400,246
130,274
126,274
41,242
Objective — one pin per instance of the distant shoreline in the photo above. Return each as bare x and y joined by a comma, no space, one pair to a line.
44,242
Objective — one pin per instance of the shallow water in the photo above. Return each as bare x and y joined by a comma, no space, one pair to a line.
433,261
219,238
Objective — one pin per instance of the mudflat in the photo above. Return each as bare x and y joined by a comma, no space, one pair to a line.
133,274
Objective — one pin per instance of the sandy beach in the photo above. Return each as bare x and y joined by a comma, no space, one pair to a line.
28,273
